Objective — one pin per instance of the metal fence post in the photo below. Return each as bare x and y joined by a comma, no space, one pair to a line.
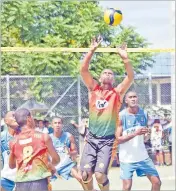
173,84
150,89
79,99
79,106
8,92
173,111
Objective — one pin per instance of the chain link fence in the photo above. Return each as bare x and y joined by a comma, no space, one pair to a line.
67,96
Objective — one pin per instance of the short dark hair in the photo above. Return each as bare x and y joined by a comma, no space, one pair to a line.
130,91
21,116
57,118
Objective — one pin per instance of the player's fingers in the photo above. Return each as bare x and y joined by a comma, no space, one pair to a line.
119,47
93,40
124,45
100,39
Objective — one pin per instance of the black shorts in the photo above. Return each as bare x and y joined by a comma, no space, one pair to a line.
38,185
97,152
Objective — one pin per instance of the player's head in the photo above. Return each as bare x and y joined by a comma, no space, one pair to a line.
24,118
40,123
10,120
107,77
131,99
156,124
36,122
46,123
57,124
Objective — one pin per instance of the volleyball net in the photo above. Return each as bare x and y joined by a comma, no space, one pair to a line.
63,49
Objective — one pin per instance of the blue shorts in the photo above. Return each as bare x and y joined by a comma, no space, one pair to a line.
65,170
142,168
8,185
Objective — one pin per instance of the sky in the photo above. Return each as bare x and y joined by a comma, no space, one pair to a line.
152,19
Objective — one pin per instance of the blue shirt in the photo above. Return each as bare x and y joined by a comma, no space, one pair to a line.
133,120
6,172
50,129
62,144
133,150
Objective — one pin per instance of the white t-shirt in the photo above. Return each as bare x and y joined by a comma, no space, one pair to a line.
42,130
133,150
156,138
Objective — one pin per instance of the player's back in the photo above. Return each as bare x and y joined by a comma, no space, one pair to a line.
32,158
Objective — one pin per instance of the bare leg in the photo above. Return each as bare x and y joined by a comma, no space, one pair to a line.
156,183
161,158
157,158
102,181
127,184
168,158
77,175
2,189
87,180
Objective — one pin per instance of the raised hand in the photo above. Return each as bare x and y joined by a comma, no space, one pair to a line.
72,122
95,43
122,51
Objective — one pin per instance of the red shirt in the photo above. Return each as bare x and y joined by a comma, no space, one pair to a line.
31,154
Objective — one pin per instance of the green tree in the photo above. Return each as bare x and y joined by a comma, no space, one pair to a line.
63,24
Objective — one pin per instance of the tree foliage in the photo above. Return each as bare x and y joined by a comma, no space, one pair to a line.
63,24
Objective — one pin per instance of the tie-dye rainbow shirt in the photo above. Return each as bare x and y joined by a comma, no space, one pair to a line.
104,106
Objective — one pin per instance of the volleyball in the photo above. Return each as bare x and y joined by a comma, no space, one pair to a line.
113,16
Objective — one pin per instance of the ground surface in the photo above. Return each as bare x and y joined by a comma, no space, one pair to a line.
166,173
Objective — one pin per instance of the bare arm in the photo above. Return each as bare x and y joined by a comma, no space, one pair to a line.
126,83
73,151
120,138
12,158
124,138
51,150
74,124
12,161
72,144
84,70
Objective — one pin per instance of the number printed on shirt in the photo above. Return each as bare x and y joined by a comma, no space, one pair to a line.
27,153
